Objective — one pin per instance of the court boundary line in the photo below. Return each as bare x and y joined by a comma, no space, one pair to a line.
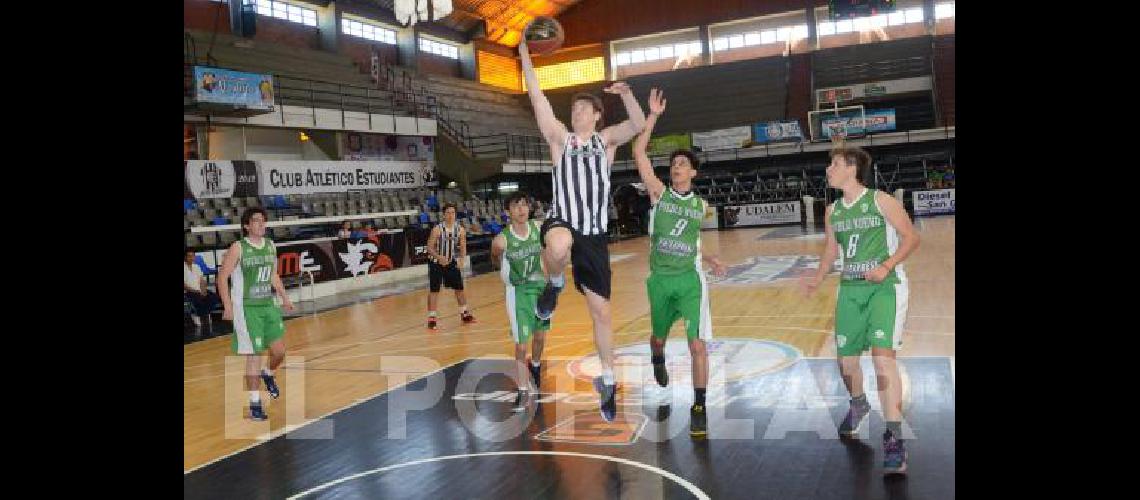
692,488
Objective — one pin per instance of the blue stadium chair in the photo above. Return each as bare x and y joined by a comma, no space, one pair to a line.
206,269
219,221
188,205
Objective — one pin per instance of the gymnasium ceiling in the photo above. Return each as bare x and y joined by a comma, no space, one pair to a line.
505,18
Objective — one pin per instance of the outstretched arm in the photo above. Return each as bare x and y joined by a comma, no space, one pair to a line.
552,129
616,135
644,166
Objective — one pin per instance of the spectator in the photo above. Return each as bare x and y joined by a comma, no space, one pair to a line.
201,298
345,230
369,231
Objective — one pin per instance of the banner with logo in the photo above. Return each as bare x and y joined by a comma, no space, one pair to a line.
878,120
937,201
763,214
293,259
220,178
711,220
223,86
666,144
863,90
307,177
344,258
417,245
382,252
777,131
725,138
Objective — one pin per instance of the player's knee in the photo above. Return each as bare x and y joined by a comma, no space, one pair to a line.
697,348
558,241
599,310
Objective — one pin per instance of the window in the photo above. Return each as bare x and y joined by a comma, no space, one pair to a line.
695,48
637,56
799,31
720,44
287,11
943,10
735,41
652,54
915,15
439,48
681,49
896,18
368,31
768,36
621,59
783,34
666,51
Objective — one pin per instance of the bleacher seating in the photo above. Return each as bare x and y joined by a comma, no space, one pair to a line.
473,213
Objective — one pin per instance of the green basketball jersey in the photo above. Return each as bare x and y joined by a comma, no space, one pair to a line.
675,233
523,256
865,238
252,284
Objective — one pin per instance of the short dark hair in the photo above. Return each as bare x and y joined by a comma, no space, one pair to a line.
515,197
687,154
248,214
447,206
593,100
860,158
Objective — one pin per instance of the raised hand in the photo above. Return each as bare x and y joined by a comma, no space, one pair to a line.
656,101
618,88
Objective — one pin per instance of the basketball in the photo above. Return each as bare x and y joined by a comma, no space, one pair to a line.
544,35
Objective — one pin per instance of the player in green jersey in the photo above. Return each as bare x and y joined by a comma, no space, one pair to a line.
251,263
872,233
676,284
518,250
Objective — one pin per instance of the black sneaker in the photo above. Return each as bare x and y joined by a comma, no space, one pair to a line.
544,309
856,415
661,374
468,317
698,421
607,394
535,374
894,454
270,384
432,325
256,413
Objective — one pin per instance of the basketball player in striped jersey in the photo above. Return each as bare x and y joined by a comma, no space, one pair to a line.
519,253
249,304
447,247
575,230
676,285
871,232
